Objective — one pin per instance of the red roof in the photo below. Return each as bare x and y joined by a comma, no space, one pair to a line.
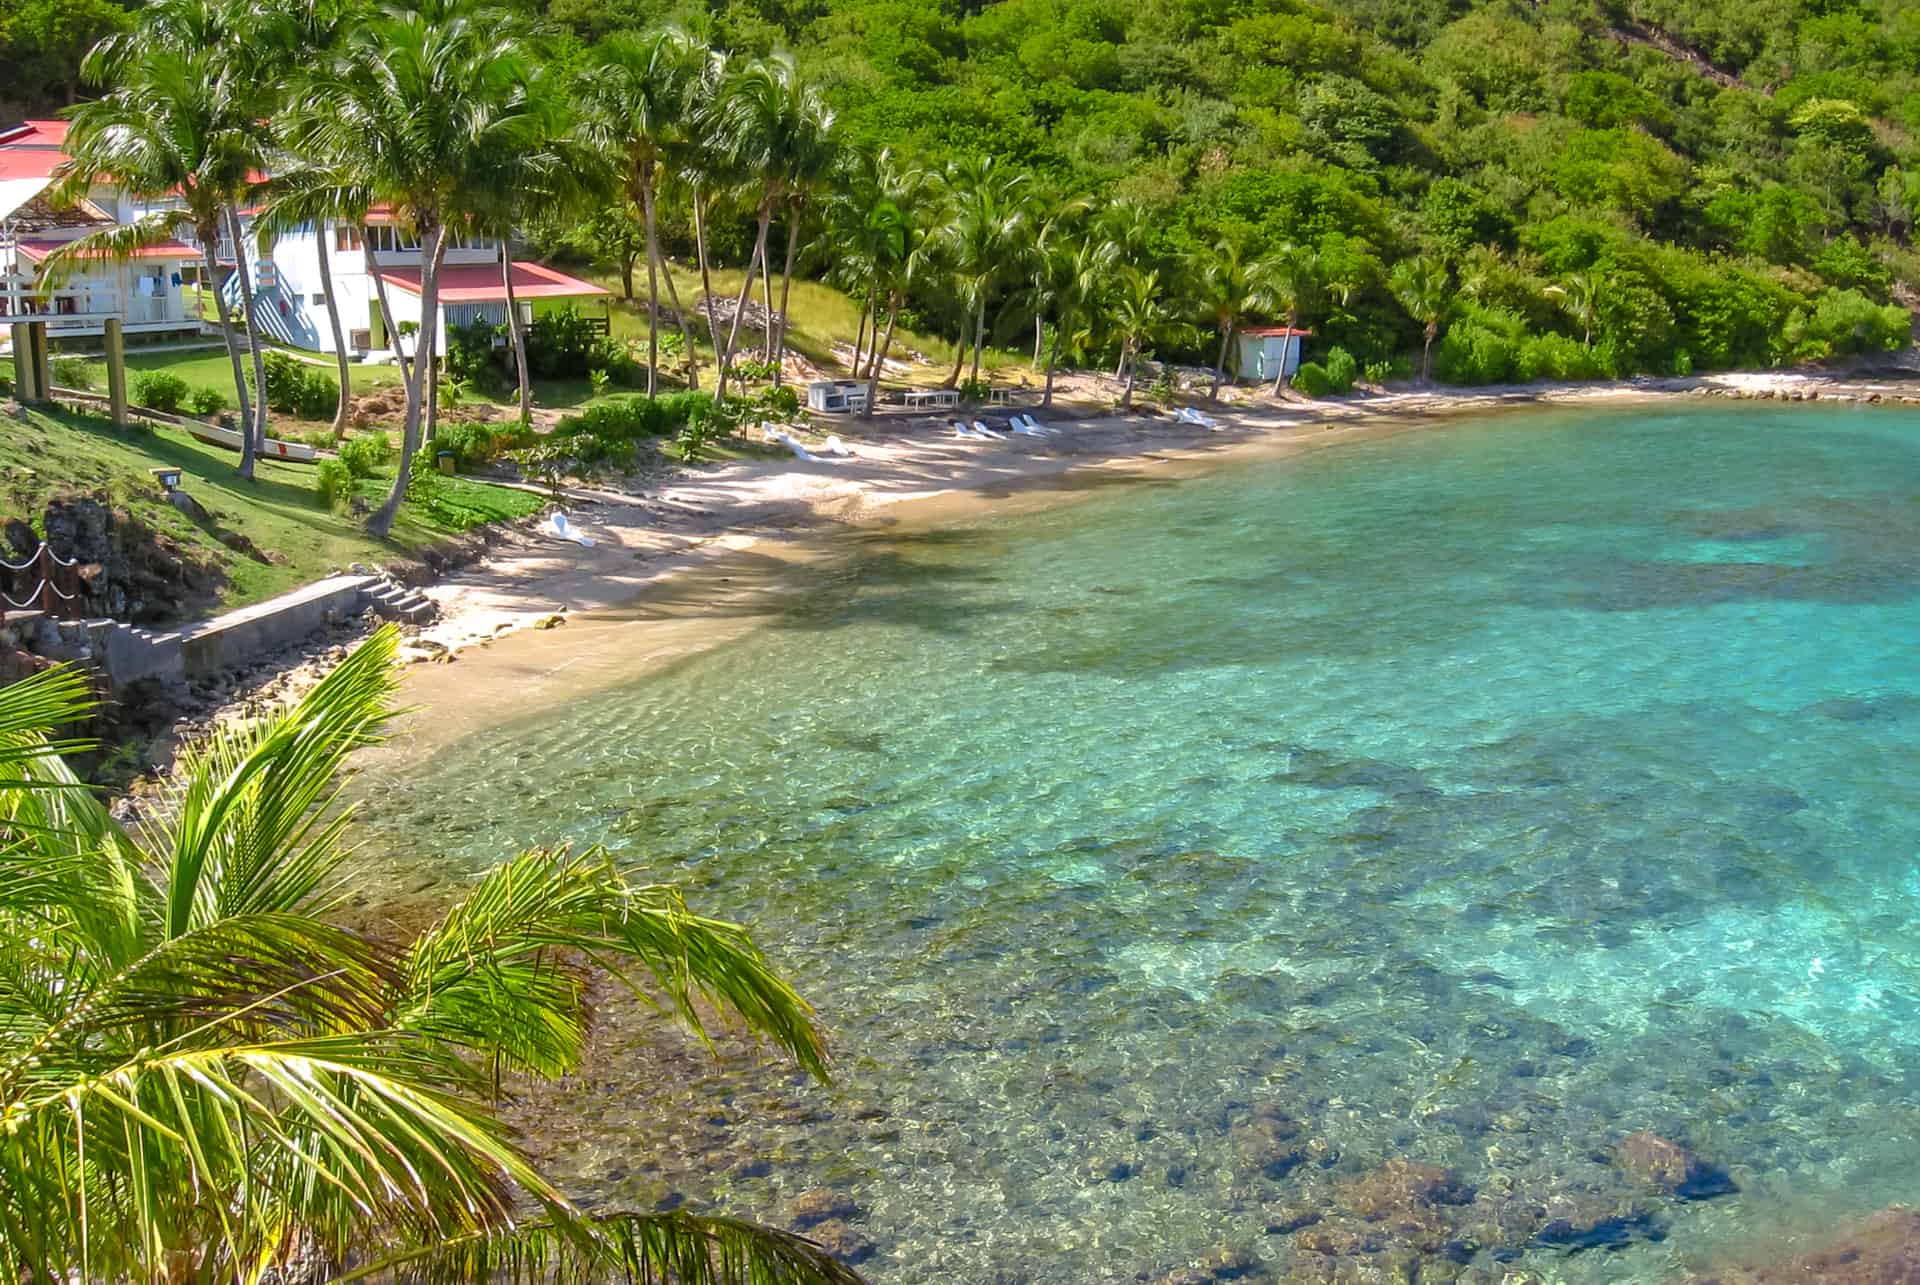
480,283
1273,332
32,149
40,249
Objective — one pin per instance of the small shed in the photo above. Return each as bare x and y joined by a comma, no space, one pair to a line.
837,395
1269,352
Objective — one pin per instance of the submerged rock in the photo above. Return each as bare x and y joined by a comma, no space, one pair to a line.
845,1243
1883,1250
1267,1142
1654,1160
819,1205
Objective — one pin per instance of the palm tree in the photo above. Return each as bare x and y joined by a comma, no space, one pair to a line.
1082,271
636,96
812,155
177,125
419,108
1227,288
986,219
895,234
1420,285
776,128
1139,315
1579,297
1288,280
207,1078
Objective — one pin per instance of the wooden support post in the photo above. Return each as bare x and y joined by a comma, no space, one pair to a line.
116,370
42,362
23,363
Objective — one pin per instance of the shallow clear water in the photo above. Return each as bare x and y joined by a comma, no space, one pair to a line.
1478,796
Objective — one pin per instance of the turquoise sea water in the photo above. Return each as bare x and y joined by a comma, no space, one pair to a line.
1477,797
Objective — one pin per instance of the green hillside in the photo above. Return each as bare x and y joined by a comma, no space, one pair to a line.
1686,183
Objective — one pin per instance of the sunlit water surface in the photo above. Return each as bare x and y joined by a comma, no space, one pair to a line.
1477,796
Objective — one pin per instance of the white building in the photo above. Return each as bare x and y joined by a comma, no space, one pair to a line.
153,290
292,301
1268,352
148,290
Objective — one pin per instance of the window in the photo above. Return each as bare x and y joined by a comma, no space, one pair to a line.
319,301
346,238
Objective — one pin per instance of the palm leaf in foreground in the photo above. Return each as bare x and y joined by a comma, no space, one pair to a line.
201,1077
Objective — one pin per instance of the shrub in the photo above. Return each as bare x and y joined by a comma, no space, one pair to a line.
561,344
1472,352
333,483
73,372
751,371
207,401
295,388
161,391
425,485
693,438
470,349
600,381
365,453
1312,379
1343,369
1553,357
784,400
474,446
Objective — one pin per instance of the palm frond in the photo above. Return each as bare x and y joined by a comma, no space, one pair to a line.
484,977
649,1249
249,829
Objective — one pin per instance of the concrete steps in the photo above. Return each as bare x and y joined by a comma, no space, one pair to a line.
401,604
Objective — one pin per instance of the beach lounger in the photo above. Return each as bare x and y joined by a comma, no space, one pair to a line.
980,428
557,526
1188,415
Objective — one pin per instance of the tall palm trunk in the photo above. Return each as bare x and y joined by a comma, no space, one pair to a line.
433,249
339,338
686,326
209,234
786,286
1220,362
706,273
1280,376
959,360
860,335
255,434
516,333
1131,360
1039,336
1426,353
879,357
431,359
979,341
644,181
387,321
766,306
740,304
1053,364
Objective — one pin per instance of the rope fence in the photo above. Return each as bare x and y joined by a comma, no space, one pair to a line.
45,595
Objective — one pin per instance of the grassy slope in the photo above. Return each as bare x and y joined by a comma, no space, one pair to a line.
821,318
51,455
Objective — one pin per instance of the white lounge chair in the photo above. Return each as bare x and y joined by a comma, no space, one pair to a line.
980,427
793,444
1039,427
557,526
1188,415
960,429
1025,426
834,446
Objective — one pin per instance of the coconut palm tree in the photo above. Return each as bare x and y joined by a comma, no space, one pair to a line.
894,233
1289,280
1139,315
178,126
1082,271
1228,288
418,109
812,156
986,219
1421,287
1579,297
636,96
206,1077
777,129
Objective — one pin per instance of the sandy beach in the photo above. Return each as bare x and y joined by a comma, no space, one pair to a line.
642,536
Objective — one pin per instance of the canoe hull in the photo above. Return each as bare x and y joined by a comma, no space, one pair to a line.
274,448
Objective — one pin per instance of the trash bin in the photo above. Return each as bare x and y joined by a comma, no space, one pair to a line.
444,459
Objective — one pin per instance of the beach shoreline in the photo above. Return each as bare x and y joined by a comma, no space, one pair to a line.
917,470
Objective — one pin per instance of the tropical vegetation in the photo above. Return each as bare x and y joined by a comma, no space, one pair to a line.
1469,190
207,1075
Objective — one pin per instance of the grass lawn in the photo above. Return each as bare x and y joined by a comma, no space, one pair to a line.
51,455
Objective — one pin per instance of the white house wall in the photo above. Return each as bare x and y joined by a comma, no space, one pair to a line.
296,261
